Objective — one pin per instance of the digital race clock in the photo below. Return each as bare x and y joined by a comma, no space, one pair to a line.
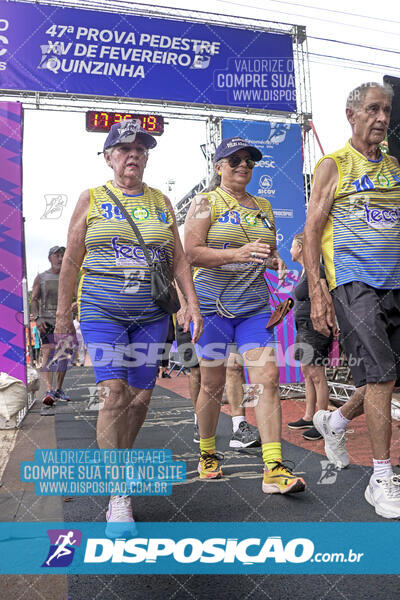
102,121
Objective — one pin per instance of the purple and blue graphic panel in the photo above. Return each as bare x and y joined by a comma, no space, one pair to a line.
278,177
66,50
12,332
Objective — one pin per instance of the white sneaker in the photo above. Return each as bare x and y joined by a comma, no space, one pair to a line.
395,406
384,496
120,521
335,443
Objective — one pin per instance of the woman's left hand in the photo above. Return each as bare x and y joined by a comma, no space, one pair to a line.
193,315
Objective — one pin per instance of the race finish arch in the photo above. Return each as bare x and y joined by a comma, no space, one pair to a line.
230,72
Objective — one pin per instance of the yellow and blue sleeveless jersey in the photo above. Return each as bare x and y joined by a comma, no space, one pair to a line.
361,239
240,287
115,283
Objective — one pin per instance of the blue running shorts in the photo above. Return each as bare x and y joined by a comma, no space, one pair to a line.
131,352
221,335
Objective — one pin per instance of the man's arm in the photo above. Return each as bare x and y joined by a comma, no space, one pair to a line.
35,297
321,200
35,305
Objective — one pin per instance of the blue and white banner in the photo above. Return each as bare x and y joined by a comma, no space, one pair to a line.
200,548
98,472
278,177
65,50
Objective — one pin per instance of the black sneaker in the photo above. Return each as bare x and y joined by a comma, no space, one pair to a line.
246,436
300,424
312,434
196,434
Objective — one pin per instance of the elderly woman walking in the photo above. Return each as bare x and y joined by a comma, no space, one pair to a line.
230,236
116,308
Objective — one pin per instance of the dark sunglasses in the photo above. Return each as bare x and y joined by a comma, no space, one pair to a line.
235,160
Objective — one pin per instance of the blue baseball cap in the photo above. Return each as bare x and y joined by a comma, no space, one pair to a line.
231,145
126,132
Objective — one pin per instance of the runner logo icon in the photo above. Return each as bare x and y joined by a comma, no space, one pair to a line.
62,547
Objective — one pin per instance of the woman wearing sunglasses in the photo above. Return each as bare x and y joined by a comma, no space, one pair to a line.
230,238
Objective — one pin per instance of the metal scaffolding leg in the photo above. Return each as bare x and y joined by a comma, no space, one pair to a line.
337,391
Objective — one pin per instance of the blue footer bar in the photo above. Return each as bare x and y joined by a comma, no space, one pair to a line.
200,548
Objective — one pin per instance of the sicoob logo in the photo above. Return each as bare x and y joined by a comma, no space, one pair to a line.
62,547
266,181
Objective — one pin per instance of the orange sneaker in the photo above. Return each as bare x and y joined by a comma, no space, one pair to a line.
280,480
210,466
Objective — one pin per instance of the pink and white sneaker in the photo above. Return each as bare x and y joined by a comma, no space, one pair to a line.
120,521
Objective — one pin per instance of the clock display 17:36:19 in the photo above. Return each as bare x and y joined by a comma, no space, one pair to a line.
102,121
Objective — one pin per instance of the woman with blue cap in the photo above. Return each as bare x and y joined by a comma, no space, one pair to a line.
117,311
230,237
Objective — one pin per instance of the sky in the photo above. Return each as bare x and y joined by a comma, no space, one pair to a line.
60,157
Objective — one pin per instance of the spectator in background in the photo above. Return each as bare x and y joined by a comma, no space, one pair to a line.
312,349
163,370
44,307
36,343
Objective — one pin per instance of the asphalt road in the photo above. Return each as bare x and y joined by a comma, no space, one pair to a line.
237,497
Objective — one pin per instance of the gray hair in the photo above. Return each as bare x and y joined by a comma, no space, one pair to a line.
299,237
357,96
214,182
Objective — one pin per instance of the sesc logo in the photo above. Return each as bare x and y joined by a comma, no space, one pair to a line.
267,162
192,550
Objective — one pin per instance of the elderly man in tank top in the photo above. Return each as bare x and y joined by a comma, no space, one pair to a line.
354,218
44,307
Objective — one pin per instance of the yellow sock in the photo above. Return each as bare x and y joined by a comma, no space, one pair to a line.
271,453
207,445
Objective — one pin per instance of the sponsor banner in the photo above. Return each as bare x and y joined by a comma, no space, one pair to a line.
200,548
278,177
12,332
66,50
